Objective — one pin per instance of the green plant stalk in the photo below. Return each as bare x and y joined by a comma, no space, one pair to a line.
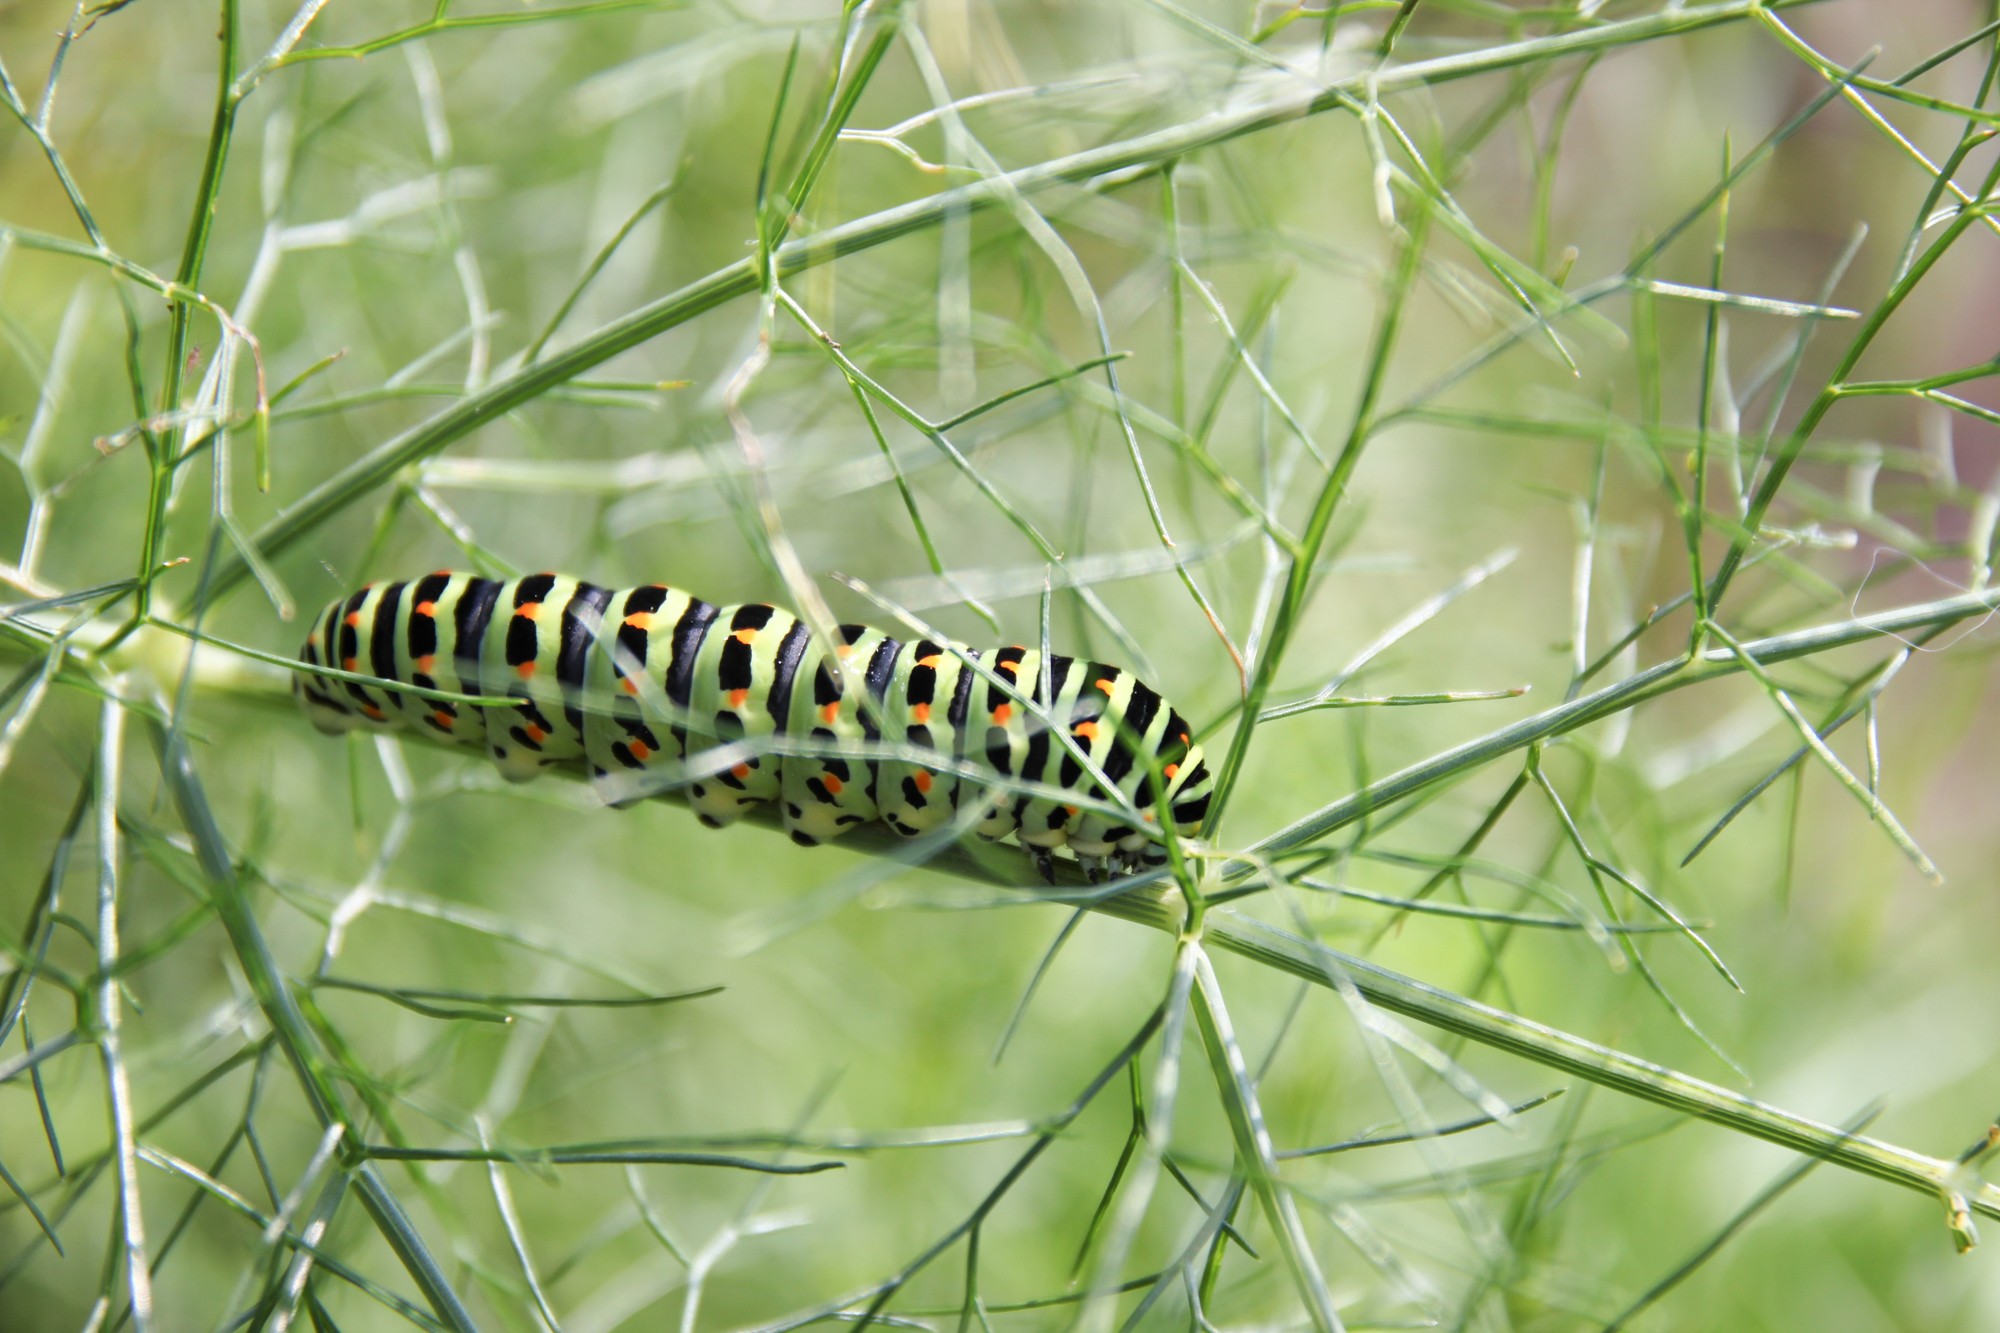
443,23
1254,1152
105,1023
841,102
1103,167
1272,947
281,1009
1695,514
1674,674
1300,579
1774,476
208,194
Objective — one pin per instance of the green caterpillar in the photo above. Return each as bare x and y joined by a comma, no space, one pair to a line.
653,679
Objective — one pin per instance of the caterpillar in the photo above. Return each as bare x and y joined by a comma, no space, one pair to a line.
651,680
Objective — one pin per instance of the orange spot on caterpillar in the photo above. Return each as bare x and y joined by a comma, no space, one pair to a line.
831,783
1170,771
1070,810
1001,714
828,712
746,637
440,573
1108,686
923,781
737,698
740,772
640,750
536,734
1148,817
353,619
526,669
842,649
1184,738
930,661
920,713
426,608
530,611
347,664
425,663
372,711
442,718
640,620
1087,730
631,686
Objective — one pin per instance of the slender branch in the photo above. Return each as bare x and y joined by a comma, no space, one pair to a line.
1101,168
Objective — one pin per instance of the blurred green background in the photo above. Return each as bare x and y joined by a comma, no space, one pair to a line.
410,201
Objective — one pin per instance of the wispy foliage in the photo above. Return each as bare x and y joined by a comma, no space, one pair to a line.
1528,440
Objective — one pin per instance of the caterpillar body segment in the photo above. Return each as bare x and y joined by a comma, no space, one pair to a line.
635,683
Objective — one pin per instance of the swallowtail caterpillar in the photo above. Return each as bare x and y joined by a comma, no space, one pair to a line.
649,680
